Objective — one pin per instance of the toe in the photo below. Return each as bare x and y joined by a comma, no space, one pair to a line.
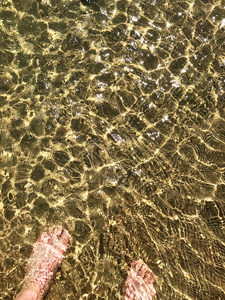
43,237
65,237
57,231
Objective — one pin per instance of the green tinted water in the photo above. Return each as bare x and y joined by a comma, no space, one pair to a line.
112,124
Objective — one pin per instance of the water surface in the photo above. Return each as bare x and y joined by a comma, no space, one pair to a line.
112,124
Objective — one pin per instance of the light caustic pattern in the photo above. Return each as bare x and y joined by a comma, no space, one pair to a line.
112,125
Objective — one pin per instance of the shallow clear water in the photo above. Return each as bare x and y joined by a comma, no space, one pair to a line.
112,124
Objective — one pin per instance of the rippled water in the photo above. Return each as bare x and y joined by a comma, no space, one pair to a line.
112,124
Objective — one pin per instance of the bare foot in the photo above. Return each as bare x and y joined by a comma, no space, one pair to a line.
47,255
139,282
